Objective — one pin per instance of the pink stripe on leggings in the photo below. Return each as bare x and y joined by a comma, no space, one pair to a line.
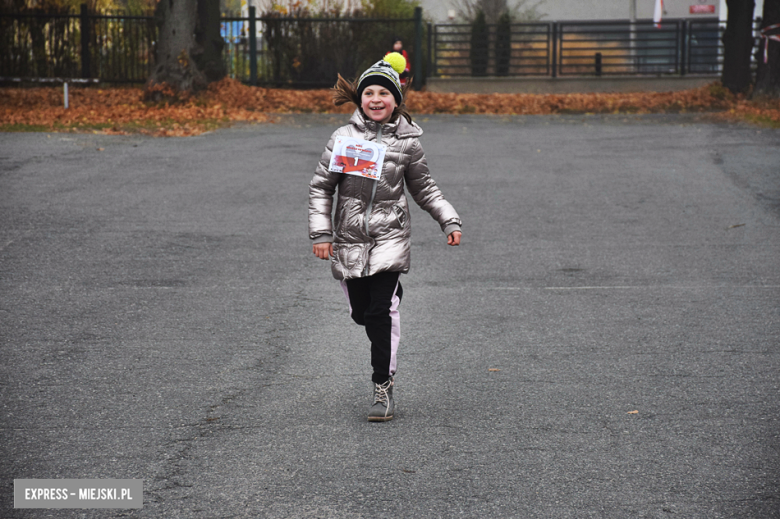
395,330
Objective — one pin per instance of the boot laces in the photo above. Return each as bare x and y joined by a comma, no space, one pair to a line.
381,393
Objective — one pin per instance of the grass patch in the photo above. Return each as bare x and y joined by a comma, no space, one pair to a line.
23,128
764,121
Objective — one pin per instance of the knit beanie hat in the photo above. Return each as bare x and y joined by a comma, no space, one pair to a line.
384,73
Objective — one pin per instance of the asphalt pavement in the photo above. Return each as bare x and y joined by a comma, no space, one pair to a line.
604,343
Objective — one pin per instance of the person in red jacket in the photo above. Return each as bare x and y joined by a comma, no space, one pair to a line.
398,46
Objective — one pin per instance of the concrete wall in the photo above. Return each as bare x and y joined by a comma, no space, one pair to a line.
547,85
559,10
620,9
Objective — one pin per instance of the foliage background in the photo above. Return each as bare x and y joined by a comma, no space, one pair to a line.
73,6
305,51
493,10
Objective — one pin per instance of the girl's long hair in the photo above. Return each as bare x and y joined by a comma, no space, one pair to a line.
346,92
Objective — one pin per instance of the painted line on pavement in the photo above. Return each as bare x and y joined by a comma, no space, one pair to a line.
639,287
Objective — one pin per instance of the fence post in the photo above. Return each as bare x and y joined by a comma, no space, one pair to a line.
434,71
554,46
418,55
252,47
86,64
683,46
428,72
598,63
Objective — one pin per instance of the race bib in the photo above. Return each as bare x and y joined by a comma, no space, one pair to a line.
359,157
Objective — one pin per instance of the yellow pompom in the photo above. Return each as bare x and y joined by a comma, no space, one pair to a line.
397,61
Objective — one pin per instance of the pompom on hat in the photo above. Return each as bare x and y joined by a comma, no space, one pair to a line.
396,60
385,72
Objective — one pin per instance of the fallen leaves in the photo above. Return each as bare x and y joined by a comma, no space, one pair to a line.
763,111
123,110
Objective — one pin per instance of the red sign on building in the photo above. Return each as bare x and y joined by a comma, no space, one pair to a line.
702,9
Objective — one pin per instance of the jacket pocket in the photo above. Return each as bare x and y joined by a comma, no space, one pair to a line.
400,215
349,259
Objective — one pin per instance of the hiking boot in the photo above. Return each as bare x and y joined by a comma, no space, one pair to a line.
382,408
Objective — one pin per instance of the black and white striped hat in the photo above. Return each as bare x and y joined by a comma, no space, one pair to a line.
384,73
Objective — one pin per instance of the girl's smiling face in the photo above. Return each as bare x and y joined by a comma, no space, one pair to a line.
378,103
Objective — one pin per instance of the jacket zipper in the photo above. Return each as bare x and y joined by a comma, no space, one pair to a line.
373,194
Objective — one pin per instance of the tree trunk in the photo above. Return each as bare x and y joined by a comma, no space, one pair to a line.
209,41
188,54
768,74
480,41
38,38
503,45
738,43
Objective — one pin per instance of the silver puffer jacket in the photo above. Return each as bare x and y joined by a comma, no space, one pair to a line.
382,243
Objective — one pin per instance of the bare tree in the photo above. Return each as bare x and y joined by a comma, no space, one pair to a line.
768,73
519,10
737,44
188,52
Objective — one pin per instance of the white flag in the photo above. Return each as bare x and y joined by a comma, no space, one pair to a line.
658,13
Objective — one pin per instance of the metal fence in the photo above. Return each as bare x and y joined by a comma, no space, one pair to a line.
459,52
312,51
117,48
579,48
309,52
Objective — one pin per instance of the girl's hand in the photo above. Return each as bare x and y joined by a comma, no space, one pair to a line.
323,250
454,238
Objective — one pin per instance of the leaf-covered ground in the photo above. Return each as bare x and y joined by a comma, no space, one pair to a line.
122,110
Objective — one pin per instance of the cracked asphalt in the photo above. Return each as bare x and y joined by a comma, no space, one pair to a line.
605,343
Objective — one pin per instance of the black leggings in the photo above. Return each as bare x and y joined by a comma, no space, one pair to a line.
373,303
